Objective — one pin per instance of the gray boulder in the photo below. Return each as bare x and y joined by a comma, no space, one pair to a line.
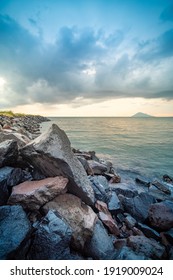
161,215
142,245
8,152
114,204
21,139
100,187
51,240
52,155
14,228
9,177
100,247
128,190
139,205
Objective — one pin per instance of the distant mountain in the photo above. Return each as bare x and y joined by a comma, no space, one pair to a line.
141,115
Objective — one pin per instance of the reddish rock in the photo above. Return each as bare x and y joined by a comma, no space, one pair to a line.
161,215
79,216
109,222
102,207
33,194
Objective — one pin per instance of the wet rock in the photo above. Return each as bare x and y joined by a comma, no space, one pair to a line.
100,187
115,179
51,154
161,215
33,194
144,246
14,227
128,190
51,240
167,178
97,167
114,204
143,181
149,232
161,187
138,206
100,246
8,152
79,216
9,177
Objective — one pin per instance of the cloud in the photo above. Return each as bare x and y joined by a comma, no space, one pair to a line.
156,49
80,66
167,14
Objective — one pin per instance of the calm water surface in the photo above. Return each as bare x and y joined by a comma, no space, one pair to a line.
134,145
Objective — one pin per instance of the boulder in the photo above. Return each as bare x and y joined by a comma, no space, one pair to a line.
97,167
79,216
161,187
149,232
143,181
33,194
145,246
114,204
21,139
51,239
138,206
9,177
110,223
14,228
106,218
130,221
85,165
100,187
52,155
167,178
8,152
161,215
100,246
126,189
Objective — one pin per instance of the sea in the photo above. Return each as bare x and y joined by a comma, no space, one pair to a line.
135,146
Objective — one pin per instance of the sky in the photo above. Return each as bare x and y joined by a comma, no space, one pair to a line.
86,57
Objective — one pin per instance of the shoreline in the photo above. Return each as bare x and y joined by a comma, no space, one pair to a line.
44,180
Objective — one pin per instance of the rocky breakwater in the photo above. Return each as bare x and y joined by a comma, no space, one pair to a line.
21,128
57,202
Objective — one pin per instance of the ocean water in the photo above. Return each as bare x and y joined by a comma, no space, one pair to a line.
134,145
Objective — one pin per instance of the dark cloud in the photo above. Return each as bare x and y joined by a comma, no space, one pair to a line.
81,63
167,14
156,49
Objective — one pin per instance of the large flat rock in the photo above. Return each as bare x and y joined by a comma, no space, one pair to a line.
79,216
51,154
33,194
